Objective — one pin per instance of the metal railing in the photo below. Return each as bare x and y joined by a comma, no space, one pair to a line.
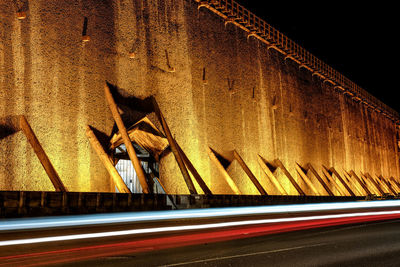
233,12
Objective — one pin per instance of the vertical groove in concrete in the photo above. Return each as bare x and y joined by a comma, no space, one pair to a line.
18,104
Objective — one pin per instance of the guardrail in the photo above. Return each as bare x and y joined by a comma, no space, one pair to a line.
40,203
233,12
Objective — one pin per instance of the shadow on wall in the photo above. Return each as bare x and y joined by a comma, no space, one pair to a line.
7,126
132,109
134,138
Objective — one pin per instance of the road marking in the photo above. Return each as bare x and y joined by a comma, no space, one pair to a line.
244,255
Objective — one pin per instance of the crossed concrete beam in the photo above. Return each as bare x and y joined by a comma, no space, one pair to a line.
183,161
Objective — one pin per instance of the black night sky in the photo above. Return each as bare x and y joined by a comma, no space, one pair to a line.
357,40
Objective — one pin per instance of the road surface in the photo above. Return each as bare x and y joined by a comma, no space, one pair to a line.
337,234
370,244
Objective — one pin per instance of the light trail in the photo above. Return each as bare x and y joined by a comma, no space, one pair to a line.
75,254
192,227
96,219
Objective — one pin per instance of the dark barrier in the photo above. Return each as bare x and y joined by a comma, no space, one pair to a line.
33,203
214,201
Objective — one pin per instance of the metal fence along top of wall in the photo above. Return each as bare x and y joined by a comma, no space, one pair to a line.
233,12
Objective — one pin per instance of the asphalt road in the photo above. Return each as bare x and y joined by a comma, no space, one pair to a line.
308,238
368,244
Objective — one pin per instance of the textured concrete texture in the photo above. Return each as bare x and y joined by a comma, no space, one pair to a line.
48,75
202,73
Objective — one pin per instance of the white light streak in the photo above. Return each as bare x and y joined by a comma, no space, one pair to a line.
96,219
188,227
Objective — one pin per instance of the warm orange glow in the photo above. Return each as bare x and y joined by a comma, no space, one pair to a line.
215,88
21,15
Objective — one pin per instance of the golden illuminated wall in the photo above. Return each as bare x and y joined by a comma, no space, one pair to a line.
215,88
48,75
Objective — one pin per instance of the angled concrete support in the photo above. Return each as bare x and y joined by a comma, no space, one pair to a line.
342,181
355,184
249,173
127,141
378,188
330,179
395,183
42,156
370,184
306,179
388,185
174,148
107,161
223,171
381,183
289,176
363,184
320,180
193,171
392,186
12,124
270,175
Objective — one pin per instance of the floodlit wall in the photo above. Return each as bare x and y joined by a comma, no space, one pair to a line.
48,74
215,87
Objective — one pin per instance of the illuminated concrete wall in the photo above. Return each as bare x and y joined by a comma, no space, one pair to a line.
49,75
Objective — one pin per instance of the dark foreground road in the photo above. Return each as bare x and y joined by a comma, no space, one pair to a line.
370,244
336,234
